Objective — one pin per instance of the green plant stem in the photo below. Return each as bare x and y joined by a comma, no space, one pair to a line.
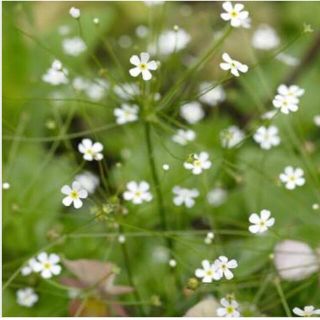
282,297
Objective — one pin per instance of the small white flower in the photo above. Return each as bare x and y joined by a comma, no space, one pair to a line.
307,311
126,91
224,266
233,65
316,120
267,137
290,91
96,20
262,223
56,74
88,181
198,163
286,104
234,14
96,90
142,31
229,308
64,30
315,206
74,195
192,112
80,83
47,265
265,38
184,136
137,192
292,177
74,13
28,268
208,273
231,137
165,167
269,115
27,297
172,263
126,113
209,237
121,239
184,196
295,260
91,151
211,97
5,185
217,196
143,66
74,46
288,59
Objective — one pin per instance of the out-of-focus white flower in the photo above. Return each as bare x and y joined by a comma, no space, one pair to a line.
286,104
265,38
170,41
230,308
192,112
27,297
184,196
142,31
126,91
74,194
64,30
292,177
165,167
151,3
47,265
80,83
121,238
91,151
234,14
267,137
269,115
96,20
184,136
209,237
288,59
315,206
295,260
97,89
307,311
88,181
198,163
137,192
28,268
211,97
125,41
74,13
217,196
142,66
160,254
290,91
233,65
126,113
208,273
224,265
172,263
262,223
74,46
231,137
316,120
56,74
5,185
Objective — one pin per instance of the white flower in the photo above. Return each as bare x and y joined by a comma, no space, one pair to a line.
142,31
290,91
233,65
288,59
165,167
121,238
96,20
286,104
198,163
192,112
56,74
223,266
5,185
96,90
213,96
73,46
267,137
143,66
292,177
47,265
265,38
262,223
171,41
172,263
208,273
316,120
137,192
64,30
26,297
229,308
91,151
28,268
231,137
126,113
217,196
295,260
184,196
74,194
209,237
234,14
80,83
88,181
74,13
126,91
269,115
184,136
307,311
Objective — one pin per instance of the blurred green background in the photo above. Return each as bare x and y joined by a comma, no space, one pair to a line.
33,215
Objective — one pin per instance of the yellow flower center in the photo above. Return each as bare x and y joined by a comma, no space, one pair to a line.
138,193
230,309
143,66
74,194
197,163
234,14
47,265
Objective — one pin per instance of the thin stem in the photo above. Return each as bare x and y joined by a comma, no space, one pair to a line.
282,297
